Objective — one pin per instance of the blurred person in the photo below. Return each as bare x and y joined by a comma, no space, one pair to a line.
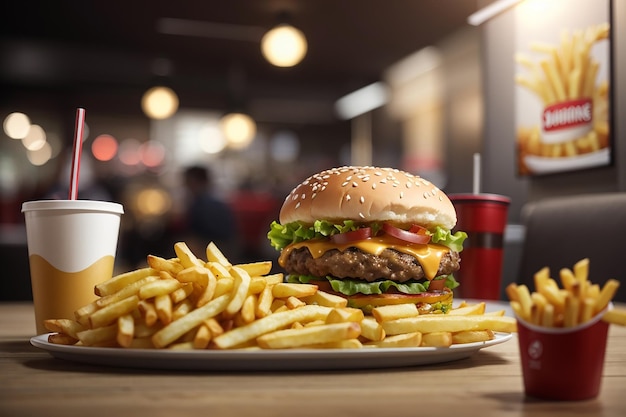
207,218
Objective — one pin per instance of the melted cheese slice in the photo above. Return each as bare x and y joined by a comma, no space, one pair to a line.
429,255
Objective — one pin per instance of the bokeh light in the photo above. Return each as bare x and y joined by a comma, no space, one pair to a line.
152,202
239,129
16,125
284,46
211,139
159,103
129,152
104,147
152,153
40,156
35,139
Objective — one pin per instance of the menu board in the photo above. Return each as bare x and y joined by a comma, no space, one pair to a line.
562,85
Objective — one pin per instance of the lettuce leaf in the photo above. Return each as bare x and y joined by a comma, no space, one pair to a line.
348,286
446,238
281,236
284,235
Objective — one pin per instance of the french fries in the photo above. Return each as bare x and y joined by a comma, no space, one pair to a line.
447,323
326,333
575,303
186,302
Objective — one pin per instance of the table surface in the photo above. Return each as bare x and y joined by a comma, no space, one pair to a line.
33,383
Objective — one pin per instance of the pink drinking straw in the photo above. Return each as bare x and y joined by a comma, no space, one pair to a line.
76,152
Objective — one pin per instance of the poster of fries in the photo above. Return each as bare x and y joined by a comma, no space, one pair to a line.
562,85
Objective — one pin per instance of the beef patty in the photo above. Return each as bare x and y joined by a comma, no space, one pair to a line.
353,263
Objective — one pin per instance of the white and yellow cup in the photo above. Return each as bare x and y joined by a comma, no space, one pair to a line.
71,247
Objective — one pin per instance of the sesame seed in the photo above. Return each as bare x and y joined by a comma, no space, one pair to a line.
345,183
401,194
354,184
362,199
298,205
373,186
361,215
313,196
348,198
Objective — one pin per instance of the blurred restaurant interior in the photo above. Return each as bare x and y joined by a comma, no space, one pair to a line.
410,84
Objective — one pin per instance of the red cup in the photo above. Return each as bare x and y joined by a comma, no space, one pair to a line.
483,217
563,364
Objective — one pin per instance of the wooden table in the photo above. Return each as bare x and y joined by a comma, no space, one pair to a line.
32,383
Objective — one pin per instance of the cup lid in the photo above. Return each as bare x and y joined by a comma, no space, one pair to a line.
86,205
469,197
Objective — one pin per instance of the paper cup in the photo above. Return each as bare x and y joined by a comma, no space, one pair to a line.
71,248
563,363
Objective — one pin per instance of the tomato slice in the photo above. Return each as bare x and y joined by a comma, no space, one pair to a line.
418,229
437,285
353,236
406,235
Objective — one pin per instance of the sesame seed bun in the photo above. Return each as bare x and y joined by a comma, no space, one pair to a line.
368,194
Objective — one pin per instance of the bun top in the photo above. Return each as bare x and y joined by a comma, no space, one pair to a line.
368,194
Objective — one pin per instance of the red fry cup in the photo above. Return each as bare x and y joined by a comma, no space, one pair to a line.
564,363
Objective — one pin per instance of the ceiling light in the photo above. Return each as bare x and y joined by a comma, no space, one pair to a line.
284,46
486,13
362,101
239,129
159,103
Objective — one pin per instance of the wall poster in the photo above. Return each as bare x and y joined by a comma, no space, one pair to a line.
562,85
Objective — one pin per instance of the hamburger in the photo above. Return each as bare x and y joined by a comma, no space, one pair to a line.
376,236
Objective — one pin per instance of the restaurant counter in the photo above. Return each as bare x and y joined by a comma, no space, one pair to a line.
33,383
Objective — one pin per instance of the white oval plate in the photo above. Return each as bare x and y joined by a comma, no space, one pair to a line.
264,360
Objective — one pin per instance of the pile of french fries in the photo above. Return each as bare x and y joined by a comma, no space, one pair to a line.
566,71
575,303
189,303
